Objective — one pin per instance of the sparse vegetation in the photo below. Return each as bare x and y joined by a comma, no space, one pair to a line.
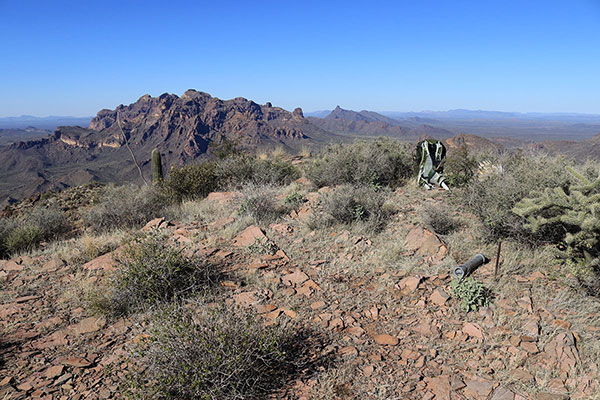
378,163
353,205
151,271
198,180
212,352
263,247
438,219
493,198
26,232
125,207
261,204
471,293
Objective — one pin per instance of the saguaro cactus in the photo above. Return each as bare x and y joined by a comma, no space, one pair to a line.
157,172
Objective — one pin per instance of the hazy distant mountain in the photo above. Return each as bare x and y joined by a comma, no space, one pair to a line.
180,127
317,114
49,123
371,124
462,114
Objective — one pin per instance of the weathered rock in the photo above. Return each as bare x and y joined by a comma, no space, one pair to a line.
410,283
562,352
248,236
439,386
105,262
473,330
87,325
501,393
439,297
385,339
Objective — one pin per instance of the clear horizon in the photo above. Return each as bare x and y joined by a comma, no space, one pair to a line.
74,59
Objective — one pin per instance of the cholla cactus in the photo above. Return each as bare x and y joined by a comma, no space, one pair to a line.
575,212
487,168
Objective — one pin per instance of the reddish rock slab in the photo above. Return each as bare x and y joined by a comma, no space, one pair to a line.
223,197
78,362
501,393
551,396
87,325
295,278
410,283
478,389
54,371
473,330
562,352
105,262
439,297
385,339
10,265
248,236
439,386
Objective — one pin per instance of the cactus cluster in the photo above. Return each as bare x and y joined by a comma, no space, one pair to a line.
574,212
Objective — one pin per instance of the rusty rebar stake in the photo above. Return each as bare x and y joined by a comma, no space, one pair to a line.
497,260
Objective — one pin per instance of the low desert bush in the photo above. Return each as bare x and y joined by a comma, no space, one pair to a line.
125,207
193,181
196,181
212,352
460,167
26,232
242,170
492,199
379,163
471,293
352,205
151,271
260,203
438,219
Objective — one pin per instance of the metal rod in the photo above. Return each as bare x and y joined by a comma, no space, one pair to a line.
497,260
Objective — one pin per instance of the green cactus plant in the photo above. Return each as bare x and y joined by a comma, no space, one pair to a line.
157,172
573,213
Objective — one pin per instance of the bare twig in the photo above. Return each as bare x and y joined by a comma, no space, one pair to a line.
130,151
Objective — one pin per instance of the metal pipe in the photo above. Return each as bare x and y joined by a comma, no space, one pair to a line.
465,269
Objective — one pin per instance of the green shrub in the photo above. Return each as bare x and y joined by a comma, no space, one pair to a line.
378,163
193,181
241,170
26,232
493,198
460,168
571,215
151,271
236,170
293,200
212,352
263,246
471,293
438,219
126,206
352,205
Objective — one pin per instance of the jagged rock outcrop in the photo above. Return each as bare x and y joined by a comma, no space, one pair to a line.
180,127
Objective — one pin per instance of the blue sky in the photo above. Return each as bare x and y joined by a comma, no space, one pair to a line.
77,57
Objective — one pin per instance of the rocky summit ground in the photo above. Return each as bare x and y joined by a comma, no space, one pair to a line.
382,304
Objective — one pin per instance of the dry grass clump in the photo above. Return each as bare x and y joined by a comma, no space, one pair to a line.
438,219
493,198
261,204
359,206
151,271
128,206
26,232
382,162
214,352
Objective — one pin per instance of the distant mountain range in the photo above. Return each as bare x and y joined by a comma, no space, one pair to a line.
50,123
182,128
